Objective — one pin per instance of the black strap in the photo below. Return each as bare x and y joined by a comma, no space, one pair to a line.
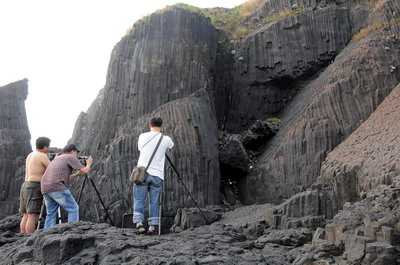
149,140
155,150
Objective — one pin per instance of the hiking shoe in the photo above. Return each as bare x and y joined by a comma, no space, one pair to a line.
151,232
141,229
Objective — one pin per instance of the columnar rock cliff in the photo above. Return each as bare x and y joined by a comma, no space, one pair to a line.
161,69
324,112
303,68
14,144
301,111
270,62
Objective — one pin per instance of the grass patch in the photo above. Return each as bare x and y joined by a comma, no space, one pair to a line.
128,31
249,7
367,31
228,19
240,32
355,7
280,15
394,21
274,120
379,4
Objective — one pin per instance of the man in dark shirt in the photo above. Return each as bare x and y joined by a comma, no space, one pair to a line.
55,182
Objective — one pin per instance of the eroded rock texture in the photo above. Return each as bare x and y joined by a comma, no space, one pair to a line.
270,62
14,144
368,157
161,69
324,113
361,175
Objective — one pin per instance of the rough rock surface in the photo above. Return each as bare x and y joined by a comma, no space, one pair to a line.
324,113
14,144
270,67
362,175
366,159
89,243
239,237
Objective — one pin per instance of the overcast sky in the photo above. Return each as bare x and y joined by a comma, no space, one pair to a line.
63,48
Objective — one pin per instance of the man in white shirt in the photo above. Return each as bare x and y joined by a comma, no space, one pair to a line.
153,181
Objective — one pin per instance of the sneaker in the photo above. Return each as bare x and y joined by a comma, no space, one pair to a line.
141,229
151,232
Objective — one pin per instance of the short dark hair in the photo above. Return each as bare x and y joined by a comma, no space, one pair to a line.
42,142
69,148
156,122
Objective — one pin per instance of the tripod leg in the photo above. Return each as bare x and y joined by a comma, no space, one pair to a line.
59,215
80,193
160,210
95,207
183,183
102,203
41,215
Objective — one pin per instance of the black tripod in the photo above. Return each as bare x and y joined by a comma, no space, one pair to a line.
179,176
42,211
98,195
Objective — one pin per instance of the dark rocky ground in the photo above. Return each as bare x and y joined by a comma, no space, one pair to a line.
242,236
232,240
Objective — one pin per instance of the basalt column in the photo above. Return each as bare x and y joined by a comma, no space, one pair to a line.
162,68
14,144
325,112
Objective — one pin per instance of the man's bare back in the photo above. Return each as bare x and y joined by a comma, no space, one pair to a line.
36,164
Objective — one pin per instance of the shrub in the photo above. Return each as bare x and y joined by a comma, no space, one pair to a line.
239,32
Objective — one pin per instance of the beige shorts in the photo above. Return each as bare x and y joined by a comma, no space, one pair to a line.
30,198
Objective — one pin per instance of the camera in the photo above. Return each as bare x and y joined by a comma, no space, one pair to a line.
51,155
82,159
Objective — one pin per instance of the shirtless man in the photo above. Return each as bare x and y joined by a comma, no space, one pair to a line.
30,196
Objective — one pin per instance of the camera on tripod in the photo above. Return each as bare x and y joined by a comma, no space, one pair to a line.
82,159
51,155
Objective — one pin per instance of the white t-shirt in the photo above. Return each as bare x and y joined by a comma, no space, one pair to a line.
156,167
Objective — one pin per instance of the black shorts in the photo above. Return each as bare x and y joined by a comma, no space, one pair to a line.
30,197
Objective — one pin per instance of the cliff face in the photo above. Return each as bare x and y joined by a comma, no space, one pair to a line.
14,144
270,63
368,158
324,113
302,67
161,69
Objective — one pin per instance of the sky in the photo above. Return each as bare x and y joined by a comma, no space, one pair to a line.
63,48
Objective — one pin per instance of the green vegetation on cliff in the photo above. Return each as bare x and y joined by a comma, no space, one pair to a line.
223,18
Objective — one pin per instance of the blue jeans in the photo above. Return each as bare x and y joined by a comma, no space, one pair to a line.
60,198
152,185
